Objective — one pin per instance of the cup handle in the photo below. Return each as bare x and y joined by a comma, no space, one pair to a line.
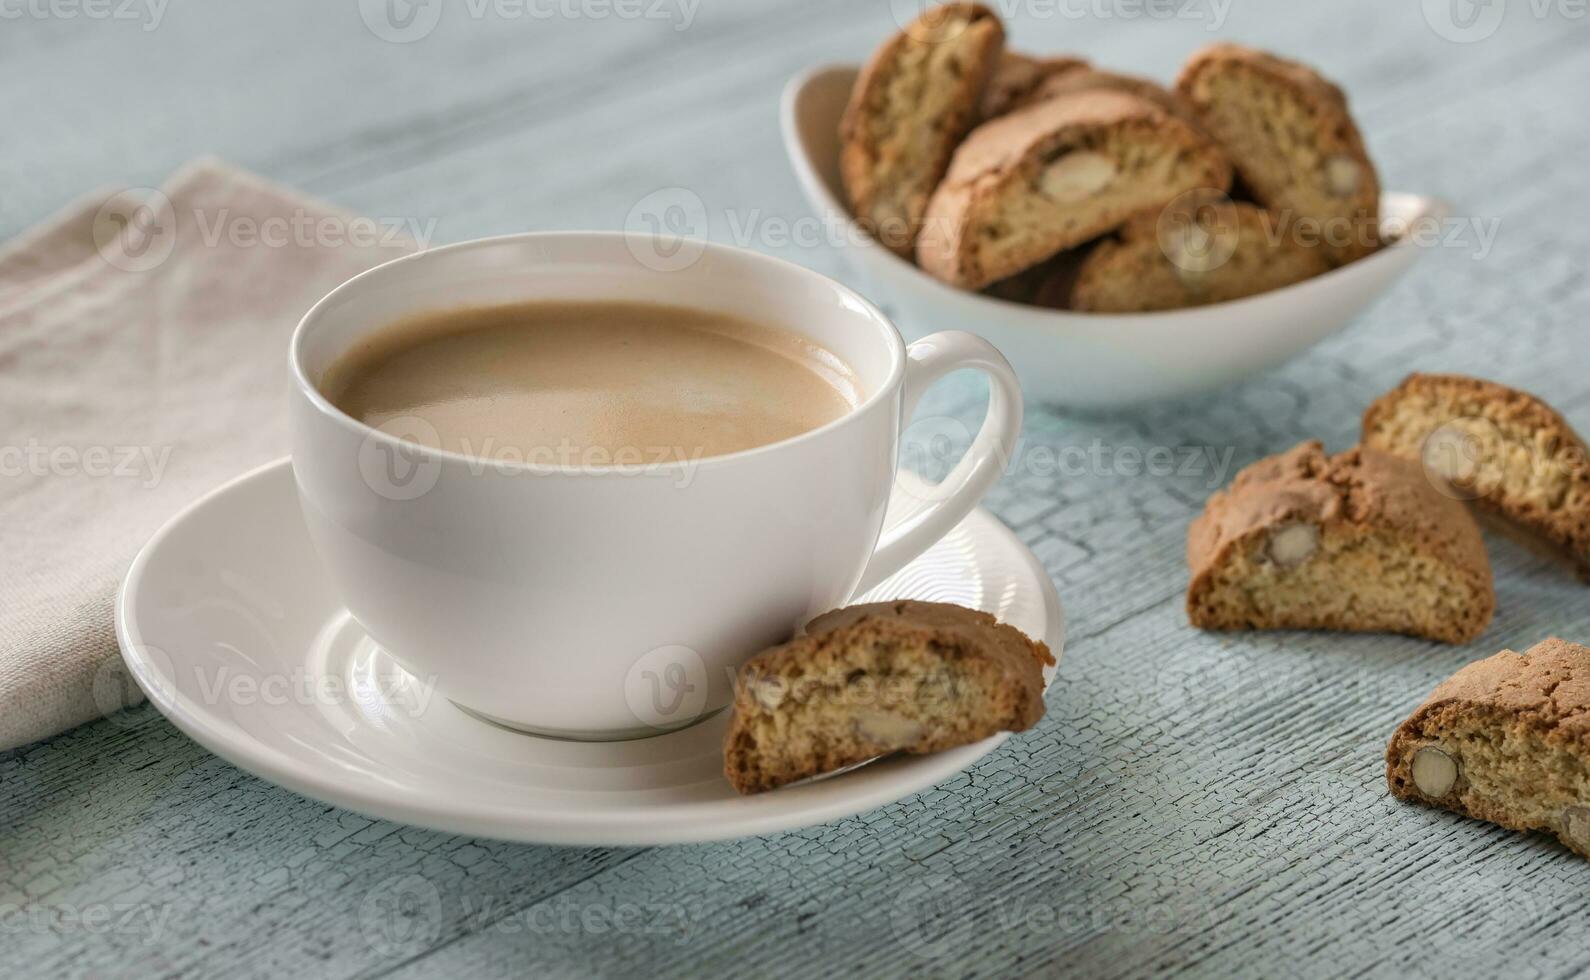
906,536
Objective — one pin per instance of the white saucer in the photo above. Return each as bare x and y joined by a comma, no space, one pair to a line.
228,624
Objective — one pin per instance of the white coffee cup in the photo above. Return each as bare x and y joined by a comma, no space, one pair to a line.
600,602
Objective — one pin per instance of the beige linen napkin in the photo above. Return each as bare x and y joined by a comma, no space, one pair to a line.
143,355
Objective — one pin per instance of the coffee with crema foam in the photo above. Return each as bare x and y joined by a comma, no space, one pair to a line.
590,382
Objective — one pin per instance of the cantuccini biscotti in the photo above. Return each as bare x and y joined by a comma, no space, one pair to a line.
1201,248
872,679
1505,739
1048,284
1053,175
1515,457
1086,78
1293,142
911,105
1018,76
1358,541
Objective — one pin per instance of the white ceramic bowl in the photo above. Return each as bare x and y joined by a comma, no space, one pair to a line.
1095,360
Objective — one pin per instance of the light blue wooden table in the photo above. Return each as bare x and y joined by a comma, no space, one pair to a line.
1191,804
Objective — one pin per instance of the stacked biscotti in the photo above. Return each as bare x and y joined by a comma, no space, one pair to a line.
1050,181
1383,537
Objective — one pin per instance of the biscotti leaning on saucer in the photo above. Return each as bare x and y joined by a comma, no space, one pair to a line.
1509,453
1506,739
912,103
870,680
1201,248
1359,541
1293,142
1053,175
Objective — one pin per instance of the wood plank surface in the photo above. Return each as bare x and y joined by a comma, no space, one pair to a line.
1192,804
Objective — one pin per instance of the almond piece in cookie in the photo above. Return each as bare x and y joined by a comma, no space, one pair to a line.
1201,248
912,104
869,680
1359,541
1509,453
1506,739
1293,142
1053,175
1018,76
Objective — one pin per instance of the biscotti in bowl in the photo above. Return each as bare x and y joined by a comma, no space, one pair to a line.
1073,167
